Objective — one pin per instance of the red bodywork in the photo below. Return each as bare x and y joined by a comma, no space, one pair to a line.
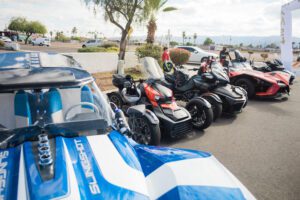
151,94
273,78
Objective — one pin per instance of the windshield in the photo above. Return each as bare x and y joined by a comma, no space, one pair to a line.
240,66
72,109
151,69
260,64
219,71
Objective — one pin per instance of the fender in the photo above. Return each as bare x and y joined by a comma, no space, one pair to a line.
140,111
213,96
205,103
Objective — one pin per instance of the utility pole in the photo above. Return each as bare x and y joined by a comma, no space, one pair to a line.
169,38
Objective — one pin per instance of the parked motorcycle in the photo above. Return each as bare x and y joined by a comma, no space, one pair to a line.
211,83
268,85
158,101
271,66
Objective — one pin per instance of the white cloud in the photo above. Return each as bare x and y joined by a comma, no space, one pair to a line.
204,17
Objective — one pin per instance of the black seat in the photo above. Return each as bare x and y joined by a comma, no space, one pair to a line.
118,81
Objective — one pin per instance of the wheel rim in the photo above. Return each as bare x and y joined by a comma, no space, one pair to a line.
141,130
116,101
198,116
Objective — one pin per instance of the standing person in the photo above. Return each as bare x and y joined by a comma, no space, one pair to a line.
166,55
167,64
223,55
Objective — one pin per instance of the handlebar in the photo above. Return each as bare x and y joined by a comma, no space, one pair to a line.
194,69
138,81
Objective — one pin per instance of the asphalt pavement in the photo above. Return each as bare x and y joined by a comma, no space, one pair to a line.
261,146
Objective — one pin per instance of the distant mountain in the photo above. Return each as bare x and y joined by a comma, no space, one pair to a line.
233,40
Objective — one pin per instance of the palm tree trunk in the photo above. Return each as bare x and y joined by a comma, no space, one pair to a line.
151,31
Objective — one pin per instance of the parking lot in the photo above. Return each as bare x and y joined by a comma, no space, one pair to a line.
261,146
57,47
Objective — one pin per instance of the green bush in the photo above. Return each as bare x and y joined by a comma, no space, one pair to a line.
80,39
264,56
174,43
1,43
98,49
179,56
112,49
62,38
149,50
109,45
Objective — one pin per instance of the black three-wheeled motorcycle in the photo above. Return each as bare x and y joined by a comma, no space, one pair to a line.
153,99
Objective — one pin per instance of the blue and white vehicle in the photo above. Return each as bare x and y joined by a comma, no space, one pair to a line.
58,140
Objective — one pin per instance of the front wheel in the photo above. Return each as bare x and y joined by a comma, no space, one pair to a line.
216,106
247,85
116,98
202,116
144,132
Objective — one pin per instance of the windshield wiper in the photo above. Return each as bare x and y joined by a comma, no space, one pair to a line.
12,138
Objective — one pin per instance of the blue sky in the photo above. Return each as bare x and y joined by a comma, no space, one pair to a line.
204,17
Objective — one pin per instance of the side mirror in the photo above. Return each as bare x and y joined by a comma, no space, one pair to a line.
196,52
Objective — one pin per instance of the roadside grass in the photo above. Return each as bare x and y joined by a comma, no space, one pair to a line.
98,49
135,72
104,79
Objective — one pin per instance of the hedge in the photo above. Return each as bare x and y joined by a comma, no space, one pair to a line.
179,56
98,49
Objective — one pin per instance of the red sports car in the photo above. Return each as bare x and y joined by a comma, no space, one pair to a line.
271,84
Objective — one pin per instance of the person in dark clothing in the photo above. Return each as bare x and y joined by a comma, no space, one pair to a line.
224,53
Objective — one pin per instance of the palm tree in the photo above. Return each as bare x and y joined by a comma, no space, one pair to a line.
74,30
183,37
51,33
195,38
152,7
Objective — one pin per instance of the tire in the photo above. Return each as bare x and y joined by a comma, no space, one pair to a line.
216,106
247,85
202,117
144,132
116,98
83,46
